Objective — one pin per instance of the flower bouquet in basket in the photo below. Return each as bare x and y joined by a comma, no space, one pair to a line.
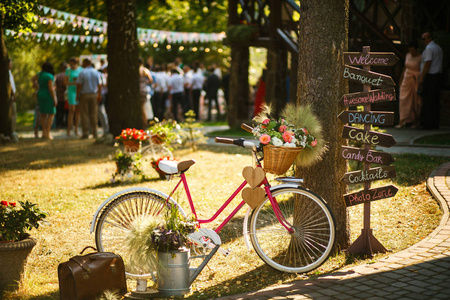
284,140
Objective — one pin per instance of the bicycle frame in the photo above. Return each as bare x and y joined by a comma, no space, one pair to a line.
267,186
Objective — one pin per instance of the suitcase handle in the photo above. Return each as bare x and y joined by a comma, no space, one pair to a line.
87,247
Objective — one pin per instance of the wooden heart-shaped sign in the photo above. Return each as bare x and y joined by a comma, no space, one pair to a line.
253,197
253,176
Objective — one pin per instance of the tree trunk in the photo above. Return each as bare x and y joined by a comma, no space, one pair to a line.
124,108
276,92
5,88
323,39
238,110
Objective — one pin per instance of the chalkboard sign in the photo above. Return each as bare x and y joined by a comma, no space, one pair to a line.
369,156
371,117
374,96
370,59
368,137
367,77
370,195
369,175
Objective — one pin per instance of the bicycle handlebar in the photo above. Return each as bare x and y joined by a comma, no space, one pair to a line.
247,127
239,142
224,140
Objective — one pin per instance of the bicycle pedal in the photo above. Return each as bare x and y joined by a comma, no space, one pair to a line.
225,252
204,236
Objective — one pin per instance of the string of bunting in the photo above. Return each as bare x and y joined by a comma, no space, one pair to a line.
145,35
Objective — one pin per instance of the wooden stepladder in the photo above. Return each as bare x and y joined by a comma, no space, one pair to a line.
384,91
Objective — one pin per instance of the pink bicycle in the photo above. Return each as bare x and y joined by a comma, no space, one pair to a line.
292,230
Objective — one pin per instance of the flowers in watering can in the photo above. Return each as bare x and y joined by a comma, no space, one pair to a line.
173,234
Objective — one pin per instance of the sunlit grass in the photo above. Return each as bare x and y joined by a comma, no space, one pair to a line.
71,178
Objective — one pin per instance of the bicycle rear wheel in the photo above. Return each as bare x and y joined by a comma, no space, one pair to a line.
314,231
119,218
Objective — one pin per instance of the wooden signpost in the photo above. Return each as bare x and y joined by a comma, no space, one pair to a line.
368,137
366,196
367,77
369,175
366,243
370,59
372,117
363,98
369,156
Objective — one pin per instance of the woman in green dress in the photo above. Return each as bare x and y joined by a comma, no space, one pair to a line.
70,80
46,99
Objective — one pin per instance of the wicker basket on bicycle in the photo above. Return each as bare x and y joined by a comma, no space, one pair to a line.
277,160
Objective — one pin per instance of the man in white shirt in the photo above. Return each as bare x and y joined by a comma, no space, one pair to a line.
188,73
176,92
197,86
89,94
431,82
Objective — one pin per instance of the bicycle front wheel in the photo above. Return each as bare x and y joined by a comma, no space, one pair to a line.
314,231
122,216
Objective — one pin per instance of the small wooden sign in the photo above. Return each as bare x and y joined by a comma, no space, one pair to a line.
369,156
371,117
253,197
370,195
374,96
253,176
369,175
370,59
368,137
367,77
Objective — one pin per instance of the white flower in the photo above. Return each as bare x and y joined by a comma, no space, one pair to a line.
294,140
291,145
277,142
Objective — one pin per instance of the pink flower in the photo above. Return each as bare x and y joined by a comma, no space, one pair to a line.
265,122
287,136
282,128
305,130
313,143
264,139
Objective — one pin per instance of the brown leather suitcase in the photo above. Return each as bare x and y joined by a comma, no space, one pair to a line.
86,277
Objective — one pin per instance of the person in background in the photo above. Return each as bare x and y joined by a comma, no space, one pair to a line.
47,99
188,73
102,116
260,94
145,78
212,86
176,89
409,99
197,86
37,114
61,113
73,119
89,94
13,98
159,87
431,82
